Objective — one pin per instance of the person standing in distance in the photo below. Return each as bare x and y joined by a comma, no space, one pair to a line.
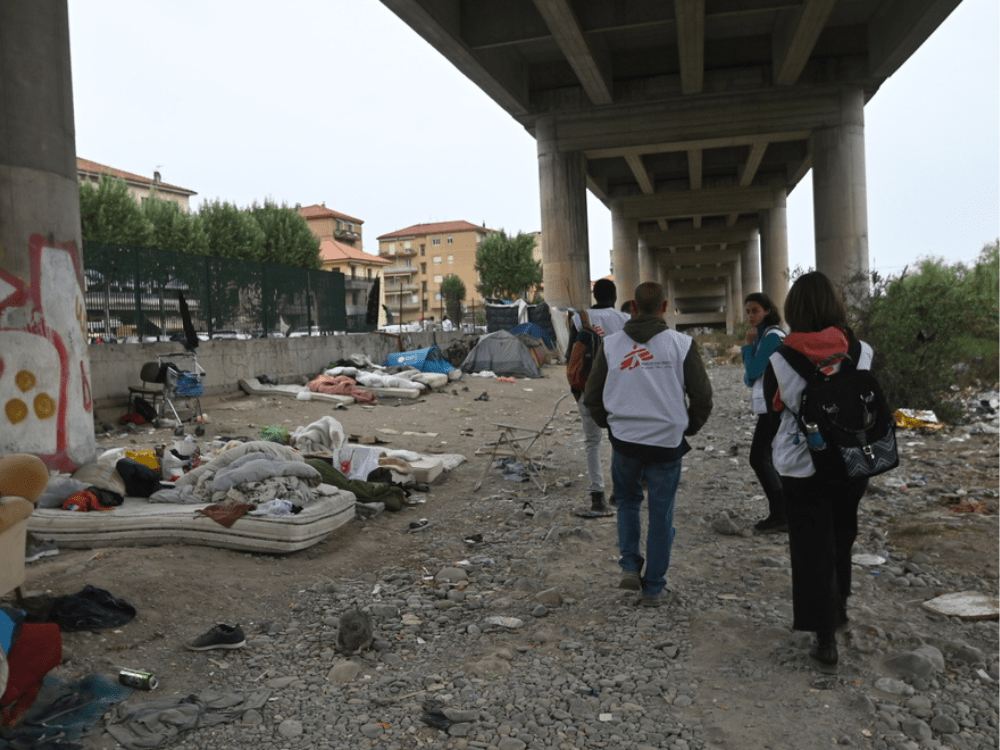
604,319
822,509
649,387
763,338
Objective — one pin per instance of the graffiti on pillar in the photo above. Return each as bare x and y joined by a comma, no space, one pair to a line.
45,395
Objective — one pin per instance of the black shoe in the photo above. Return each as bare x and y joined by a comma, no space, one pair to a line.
221,636
825,650
597,502
771,525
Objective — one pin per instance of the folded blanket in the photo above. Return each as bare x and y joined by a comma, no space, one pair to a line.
322,436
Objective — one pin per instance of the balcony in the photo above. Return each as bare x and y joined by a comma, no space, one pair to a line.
399,270
345,234
395,288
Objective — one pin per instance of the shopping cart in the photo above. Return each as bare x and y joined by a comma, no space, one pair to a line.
183,385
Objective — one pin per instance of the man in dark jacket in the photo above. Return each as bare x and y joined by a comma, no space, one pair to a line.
649,387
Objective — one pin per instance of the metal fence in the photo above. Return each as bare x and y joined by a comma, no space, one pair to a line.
136,294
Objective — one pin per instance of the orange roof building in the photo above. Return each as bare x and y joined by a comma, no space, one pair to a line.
139,187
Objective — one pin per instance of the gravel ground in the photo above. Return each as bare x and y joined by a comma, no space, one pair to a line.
499,625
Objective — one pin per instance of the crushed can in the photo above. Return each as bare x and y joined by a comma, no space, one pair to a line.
137,678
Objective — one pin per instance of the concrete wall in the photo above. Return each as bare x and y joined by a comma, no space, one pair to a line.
115,367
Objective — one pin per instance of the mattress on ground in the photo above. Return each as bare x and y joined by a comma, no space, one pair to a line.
139,523
255,388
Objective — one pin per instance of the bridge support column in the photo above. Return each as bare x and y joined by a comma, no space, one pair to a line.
751,265
774,249
562,182
730,312
624,251
669,291
840,192
47,409
737,296
647,267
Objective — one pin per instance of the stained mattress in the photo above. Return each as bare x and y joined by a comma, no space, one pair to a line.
139,523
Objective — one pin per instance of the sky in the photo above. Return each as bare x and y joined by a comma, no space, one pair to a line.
339,102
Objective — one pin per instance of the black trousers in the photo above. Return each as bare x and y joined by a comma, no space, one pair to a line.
763,466
822,515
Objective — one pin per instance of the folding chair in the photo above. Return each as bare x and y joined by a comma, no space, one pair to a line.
515,442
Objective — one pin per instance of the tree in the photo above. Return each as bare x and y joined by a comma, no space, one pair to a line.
108,214
453,292
506,267
174,229
232,233
287,238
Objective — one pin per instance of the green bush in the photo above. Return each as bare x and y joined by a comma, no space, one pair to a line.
922,324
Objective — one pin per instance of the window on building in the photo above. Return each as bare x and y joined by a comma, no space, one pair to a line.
449,240
406,244
392,248
423,249
438,279
423,287
437,296
423,268
437,260
451,258
435,240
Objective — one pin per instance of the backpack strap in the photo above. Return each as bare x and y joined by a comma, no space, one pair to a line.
584,319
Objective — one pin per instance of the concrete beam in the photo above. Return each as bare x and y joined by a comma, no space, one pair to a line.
898,28
749,169
502,78
690,15
710,202
640,173
793,41
699,257
699,318
704,236
701,272
735,119
590,62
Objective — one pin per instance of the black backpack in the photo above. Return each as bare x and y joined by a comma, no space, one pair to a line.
581,358
844,416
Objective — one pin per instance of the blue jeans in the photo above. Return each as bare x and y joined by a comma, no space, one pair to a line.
661,480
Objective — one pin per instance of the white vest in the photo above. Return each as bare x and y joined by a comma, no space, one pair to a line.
644,391
789,450
604,320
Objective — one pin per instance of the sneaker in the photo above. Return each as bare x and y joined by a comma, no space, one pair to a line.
653,600
221,636
38,550
630,581
597,502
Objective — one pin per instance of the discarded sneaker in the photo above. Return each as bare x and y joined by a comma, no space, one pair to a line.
630,581
221,636
38,550
420,525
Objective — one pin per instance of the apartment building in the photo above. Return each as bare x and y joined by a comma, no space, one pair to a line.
340,249
139,187
422,256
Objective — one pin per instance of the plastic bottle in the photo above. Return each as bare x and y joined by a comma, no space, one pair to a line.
813,437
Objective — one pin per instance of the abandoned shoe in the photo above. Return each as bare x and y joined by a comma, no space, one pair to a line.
825,650
630,581
221,636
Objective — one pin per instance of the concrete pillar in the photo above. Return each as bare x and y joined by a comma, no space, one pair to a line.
774,249
738,311
647,264
46,404
751,265
840,192
669,291
624,251
730,306
565,246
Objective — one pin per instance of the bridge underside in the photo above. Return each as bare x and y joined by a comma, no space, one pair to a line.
691,120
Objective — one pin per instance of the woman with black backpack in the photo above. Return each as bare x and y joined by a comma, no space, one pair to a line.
821,506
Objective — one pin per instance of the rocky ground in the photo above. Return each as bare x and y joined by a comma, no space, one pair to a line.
499,624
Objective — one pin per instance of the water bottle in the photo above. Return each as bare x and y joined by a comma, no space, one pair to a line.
813,438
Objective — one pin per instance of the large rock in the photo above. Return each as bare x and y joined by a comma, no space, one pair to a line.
356,631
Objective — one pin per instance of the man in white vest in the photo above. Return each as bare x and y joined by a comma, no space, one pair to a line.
604,319
649,387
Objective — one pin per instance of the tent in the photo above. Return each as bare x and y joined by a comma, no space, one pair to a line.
503,353
425,360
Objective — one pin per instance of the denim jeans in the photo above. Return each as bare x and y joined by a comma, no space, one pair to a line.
661,480
592,442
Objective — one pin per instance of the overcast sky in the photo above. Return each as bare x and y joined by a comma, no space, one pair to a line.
338,101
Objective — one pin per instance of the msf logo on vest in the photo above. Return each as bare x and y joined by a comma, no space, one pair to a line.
636,357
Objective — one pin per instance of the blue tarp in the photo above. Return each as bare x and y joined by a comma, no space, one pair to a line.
533,330
425,360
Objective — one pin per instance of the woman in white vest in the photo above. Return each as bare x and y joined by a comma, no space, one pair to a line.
763,337
822,509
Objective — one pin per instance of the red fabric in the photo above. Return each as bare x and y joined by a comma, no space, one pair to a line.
84,501
817,346
133,418
227,515
343,386
37,651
